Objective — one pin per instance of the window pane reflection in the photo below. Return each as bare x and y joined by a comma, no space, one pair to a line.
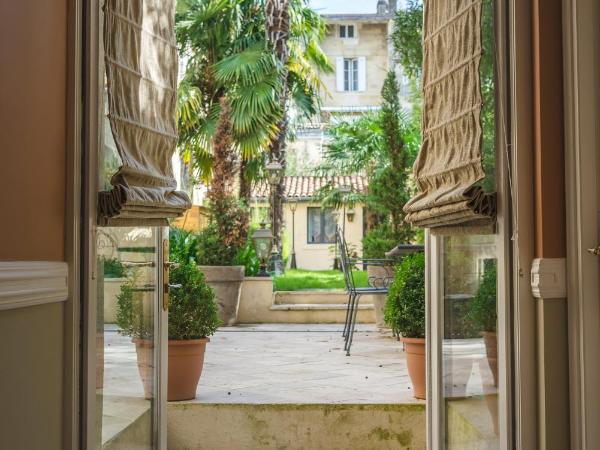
469,364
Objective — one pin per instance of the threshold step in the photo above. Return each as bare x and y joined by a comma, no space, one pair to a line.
317,307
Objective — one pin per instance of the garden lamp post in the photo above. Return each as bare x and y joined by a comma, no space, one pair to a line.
263,241
293,206
274,174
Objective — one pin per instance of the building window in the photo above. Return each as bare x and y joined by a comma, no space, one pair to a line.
350,74
347,31
321,226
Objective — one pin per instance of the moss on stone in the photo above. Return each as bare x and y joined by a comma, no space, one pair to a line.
404,438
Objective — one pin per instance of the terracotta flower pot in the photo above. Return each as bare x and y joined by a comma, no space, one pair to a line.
145,362
415,360
491,349
227,284
186,358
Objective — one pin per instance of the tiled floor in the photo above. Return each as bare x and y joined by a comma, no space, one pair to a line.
285,363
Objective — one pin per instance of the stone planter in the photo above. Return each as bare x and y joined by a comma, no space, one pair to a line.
377,275
379,306
227,284
112,288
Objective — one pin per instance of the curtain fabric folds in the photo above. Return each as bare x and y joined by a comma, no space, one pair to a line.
449,165
141,71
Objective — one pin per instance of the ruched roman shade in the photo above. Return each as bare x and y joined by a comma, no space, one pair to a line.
141,72
449,166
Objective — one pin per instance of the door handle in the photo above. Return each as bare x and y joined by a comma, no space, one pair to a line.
594,251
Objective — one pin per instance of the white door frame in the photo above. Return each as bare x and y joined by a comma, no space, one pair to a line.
582,147
93,97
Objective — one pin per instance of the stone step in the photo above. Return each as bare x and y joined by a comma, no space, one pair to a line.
259,304
318,313
317,307
296,426
312,297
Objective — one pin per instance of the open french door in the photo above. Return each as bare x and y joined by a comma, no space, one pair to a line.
469,400
125,311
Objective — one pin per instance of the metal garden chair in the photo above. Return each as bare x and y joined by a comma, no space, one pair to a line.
377,285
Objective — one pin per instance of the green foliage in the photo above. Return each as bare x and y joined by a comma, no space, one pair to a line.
405,303
381,239
183,246
407,38
212,249
487,76
131,318
193,312
228,56
304,280
246,257
381,145
113,268
482,309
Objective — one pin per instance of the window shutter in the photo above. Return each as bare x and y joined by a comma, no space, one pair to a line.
362,73
339,73
141,70
449,166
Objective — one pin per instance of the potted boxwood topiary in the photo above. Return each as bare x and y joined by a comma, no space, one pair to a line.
482,312
133,322
115,274
193,317
405,313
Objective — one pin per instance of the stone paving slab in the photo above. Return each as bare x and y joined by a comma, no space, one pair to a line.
297,363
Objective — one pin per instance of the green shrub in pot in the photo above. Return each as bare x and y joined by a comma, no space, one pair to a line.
482,308
483,314
193,317
192,308
131,318
405,304
405,313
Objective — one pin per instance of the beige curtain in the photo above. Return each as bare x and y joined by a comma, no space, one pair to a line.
449,165
141,71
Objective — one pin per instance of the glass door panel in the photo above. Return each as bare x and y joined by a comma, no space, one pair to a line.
469,342
127,340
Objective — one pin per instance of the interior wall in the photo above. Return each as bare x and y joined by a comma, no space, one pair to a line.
33,80
31,373
33,45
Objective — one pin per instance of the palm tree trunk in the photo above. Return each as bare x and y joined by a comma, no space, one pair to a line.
278,30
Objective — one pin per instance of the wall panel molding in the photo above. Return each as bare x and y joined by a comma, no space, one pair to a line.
32,283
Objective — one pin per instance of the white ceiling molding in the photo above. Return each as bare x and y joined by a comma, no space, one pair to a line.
32,283
548,278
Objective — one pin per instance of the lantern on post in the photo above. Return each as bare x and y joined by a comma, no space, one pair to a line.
293,206
263,242
274,174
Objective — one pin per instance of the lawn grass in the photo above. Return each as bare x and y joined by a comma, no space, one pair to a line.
302,280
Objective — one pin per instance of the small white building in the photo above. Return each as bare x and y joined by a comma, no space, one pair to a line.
309,229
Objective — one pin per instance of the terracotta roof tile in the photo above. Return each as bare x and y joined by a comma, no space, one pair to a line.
304,187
